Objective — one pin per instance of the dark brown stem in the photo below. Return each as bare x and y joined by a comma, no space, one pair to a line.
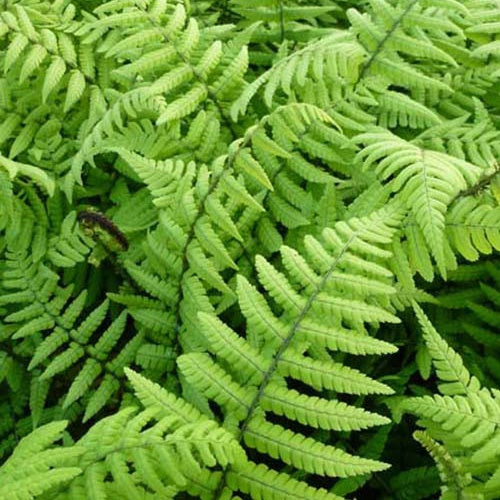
480,185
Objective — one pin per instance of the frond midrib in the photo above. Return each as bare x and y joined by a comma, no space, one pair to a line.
380,45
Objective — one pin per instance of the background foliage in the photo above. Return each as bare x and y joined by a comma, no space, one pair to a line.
249,250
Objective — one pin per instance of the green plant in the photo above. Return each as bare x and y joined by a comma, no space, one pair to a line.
465,417
230,216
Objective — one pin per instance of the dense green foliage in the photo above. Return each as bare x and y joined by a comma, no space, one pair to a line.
230,232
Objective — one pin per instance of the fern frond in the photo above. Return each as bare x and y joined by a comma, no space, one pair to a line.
466,418
473,228
319,277
449,366
36,174
158,444
453,477
241,203
330,55
422,178
260,481
418,483
37,467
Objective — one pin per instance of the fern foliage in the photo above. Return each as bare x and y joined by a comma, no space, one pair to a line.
296,344
465,416
229,237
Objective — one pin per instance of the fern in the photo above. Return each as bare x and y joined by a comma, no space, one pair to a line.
292,335
217,225
128,439
428,181
464,416
35,467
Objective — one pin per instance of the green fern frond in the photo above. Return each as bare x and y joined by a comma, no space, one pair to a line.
37,467
330,55
453,477
466,418
260,481
319,277
473,228
37,175
158,443
142,441
449,366
418,483
422,178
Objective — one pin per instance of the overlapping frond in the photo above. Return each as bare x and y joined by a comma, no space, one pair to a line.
151,452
